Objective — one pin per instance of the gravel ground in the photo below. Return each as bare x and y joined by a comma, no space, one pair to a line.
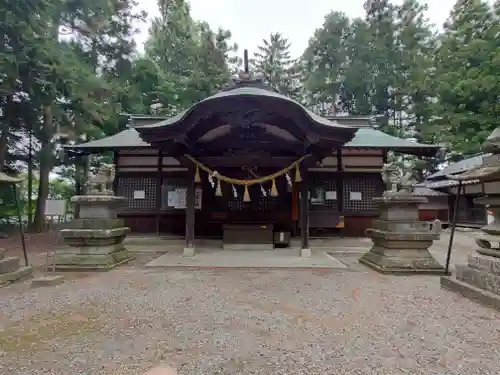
246,322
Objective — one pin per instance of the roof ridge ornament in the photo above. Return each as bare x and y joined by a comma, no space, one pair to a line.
245,78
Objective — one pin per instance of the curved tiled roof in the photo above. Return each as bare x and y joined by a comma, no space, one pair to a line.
423,190
458,167
245,91
373,138
364,138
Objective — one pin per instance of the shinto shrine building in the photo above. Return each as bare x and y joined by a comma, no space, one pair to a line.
238,165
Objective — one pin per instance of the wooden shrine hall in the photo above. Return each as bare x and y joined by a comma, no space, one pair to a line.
250,166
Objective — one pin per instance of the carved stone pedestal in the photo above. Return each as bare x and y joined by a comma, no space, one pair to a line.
11,269
96,238
479,279
400,241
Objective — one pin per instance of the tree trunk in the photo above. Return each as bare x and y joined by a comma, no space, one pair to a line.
81,178
46,151
30,177
5,131
46,164
3,146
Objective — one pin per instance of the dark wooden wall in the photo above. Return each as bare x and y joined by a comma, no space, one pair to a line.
469,212
149,171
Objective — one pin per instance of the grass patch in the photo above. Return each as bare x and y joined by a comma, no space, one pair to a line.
41,330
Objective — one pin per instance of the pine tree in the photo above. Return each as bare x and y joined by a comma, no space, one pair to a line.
172,46
414,89
380,17
325,62
356,89
467,65
192,60
274,62
214,64
416,45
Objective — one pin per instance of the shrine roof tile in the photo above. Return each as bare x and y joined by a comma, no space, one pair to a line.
422,190
373,138
246,91
364,138
458,167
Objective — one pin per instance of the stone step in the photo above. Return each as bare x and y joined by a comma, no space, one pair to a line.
334,243
154,241
92,250
484,280
470,291
2,253
49,280
76,262
16,275
484,263
165,242
248,247
9,264
410,261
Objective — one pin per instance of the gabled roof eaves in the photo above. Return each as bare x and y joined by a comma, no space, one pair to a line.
128,138
459,166
364,138
442,184
422,190
373,138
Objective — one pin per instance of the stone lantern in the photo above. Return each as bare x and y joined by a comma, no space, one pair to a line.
95,238
400,241
480,277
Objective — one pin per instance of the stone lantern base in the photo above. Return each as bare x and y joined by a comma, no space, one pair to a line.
400,241
11,269
96,238
479,279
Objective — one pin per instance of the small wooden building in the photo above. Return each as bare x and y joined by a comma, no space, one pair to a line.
248,132
470,213
437,205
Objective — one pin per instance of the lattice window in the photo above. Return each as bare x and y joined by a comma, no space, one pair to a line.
130,186
168,185
258,202
233,204
322,188
359,192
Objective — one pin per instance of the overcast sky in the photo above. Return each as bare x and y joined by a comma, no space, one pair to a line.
251,21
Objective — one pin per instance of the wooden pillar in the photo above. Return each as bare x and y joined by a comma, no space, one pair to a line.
190,213
115,181
295,208
159,196
79,182
340,182
304,214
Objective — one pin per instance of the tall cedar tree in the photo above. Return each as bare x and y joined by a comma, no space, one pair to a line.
274,63
467,106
